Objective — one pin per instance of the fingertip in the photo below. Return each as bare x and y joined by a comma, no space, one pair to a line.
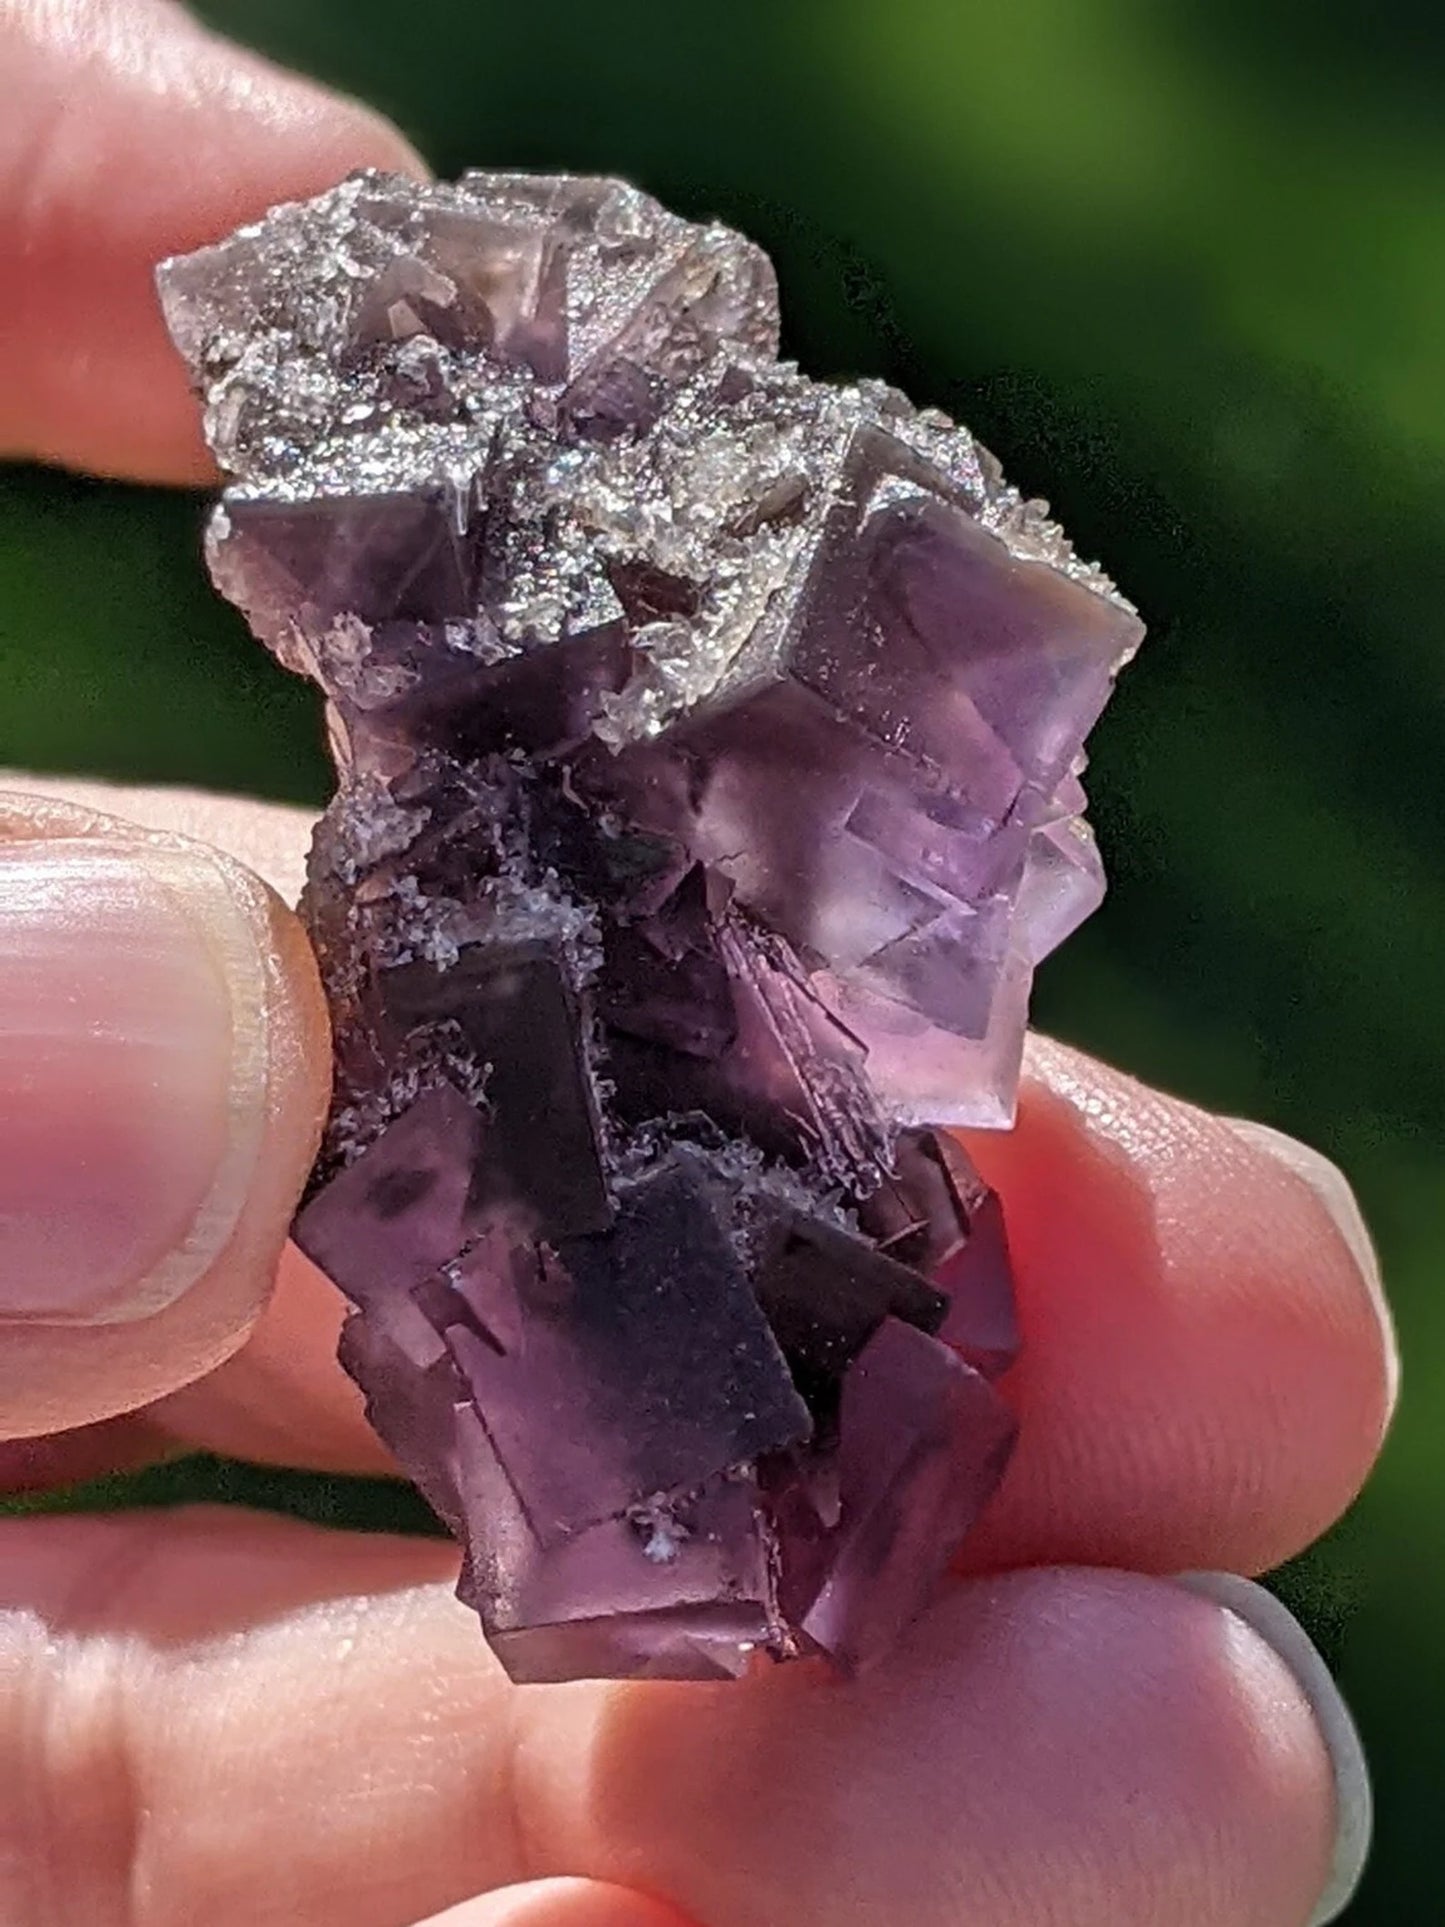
1329,1189
1272,1622
281,1397
561,1903
1071,1745
1206,1374
128,132
164,1059
316,133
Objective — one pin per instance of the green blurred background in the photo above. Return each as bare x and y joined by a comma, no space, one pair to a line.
1182,267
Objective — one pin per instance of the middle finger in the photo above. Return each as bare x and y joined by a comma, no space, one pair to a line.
227,1723
1207,1372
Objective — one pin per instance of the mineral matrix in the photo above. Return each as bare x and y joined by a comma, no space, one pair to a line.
709,743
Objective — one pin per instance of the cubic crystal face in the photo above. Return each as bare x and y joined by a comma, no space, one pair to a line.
709,744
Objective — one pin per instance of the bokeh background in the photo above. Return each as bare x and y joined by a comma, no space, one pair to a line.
1182,267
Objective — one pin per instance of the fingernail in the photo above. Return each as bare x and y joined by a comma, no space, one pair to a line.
132,1072
1354,1807
1333,1189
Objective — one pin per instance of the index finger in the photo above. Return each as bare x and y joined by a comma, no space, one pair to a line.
127,133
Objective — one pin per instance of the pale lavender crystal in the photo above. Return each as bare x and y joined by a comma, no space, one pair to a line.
709,743
923,1439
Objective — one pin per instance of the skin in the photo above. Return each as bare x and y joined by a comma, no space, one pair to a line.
215,1716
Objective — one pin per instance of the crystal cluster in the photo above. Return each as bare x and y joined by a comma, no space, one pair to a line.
709,743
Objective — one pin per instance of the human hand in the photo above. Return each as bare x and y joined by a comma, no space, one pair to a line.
213,1716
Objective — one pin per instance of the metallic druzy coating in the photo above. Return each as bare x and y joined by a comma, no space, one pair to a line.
709,742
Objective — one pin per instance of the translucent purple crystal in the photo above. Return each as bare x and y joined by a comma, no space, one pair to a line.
709,742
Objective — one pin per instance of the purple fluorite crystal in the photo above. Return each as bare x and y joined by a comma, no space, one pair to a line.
709,744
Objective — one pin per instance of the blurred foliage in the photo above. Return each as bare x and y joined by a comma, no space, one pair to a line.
322,1498
1182,267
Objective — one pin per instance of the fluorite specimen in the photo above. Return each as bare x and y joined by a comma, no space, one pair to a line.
709,743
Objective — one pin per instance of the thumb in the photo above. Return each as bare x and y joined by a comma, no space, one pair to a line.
163,1076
